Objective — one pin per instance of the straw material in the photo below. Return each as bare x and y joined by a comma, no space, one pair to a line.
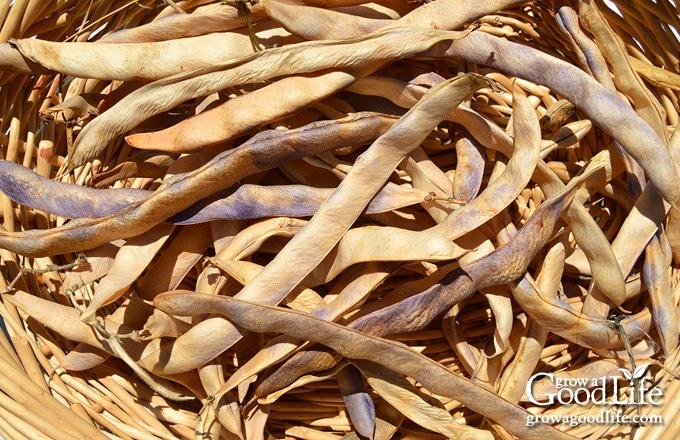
337,219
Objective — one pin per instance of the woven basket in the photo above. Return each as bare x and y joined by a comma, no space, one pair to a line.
41,399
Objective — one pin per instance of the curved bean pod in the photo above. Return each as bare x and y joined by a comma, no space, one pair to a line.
246,201
602,106
265,151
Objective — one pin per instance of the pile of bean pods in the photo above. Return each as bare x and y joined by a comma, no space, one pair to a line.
334,219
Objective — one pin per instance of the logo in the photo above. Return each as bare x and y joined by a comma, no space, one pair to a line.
595,391
544,389
637,374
